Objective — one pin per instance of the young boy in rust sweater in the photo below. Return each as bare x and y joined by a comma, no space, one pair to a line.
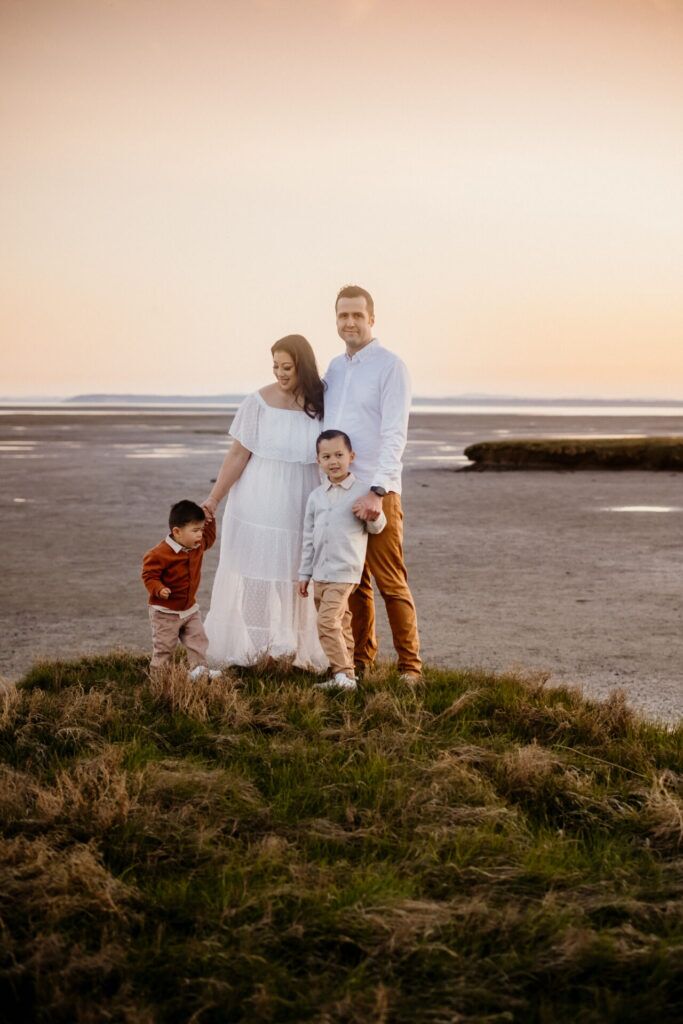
171,572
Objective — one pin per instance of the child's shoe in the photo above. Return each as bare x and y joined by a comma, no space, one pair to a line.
340,682
202,670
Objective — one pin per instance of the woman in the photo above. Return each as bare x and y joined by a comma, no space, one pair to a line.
268,474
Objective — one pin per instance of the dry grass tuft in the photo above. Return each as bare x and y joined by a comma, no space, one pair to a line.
10,699
614,715
392,713
400,926
193,791
527,767
96,792
464,701
664,812
55,886
200,699
17,791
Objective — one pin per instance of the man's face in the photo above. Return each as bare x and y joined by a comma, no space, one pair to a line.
354,323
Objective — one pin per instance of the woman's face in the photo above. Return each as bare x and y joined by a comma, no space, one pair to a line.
284,369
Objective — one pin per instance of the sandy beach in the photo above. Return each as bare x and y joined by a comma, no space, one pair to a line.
579,575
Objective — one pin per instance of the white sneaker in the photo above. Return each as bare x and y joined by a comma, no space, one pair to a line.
202,670
340,682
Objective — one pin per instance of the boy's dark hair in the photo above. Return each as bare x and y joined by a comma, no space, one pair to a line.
329,435
184,512
354,291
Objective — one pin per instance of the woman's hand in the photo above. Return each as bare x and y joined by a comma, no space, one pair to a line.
210,505
303,588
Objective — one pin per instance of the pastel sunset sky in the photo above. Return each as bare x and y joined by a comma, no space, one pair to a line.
184,181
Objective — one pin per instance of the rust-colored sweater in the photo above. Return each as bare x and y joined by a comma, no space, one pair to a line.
179,571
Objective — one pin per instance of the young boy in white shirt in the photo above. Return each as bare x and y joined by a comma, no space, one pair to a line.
333,555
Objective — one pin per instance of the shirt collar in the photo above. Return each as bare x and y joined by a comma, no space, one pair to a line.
364,353
346,484
175,545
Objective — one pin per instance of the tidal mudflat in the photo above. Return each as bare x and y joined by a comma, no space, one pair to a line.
579,575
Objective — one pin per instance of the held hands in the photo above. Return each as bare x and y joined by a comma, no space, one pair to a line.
210,505
164,592
302,588
368,507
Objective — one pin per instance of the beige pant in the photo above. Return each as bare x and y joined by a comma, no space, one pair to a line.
168,629
334,623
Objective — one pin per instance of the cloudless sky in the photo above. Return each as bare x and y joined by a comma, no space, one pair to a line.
184,181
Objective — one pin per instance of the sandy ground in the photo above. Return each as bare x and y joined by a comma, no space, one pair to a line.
523,570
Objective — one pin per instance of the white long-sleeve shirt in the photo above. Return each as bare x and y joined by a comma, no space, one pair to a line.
368,397
335,540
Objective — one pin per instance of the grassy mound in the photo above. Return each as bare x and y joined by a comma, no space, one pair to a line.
487,849
579,453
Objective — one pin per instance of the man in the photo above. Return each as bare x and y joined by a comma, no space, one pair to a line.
368,397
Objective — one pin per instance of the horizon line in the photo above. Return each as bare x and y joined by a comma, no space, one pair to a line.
431,398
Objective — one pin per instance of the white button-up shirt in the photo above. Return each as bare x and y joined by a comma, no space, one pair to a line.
335,540
368,397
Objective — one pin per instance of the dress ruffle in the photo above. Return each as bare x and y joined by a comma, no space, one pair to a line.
275,433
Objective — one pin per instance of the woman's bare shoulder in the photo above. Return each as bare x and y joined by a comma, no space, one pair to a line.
269,392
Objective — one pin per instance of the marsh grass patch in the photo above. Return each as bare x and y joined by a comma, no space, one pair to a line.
487,848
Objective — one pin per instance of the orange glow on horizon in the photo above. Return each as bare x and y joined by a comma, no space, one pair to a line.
183,182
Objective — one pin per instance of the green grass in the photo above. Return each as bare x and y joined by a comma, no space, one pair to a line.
484,849
663,453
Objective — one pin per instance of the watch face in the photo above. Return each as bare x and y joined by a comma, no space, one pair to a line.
379,491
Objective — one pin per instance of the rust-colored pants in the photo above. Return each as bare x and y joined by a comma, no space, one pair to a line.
385,562
167,630
334,624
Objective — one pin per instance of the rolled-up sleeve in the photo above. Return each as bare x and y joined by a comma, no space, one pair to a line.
376,525
395,410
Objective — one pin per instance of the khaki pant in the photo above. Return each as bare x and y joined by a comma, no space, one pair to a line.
385,562
334,624
168,629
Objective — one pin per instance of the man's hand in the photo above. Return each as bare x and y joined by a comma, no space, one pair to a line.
303,588
210,505
164,592
368,507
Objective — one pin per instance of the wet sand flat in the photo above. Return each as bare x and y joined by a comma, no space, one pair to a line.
575,574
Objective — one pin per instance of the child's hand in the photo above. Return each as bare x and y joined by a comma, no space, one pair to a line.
368,507
164,592
303,588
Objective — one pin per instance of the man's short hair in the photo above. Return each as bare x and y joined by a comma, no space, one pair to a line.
184,512
354,291
329,435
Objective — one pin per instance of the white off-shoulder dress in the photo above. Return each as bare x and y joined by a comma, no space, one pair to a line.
255,608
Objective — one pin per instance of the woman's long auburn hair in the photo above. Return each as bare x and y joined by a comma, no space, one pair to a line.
309,384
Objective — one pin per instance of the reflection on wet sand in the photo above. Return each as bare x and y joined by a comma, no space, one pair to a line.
642,508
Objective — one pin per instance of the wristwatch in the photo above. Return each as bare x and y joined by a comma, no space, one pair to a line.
379,491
